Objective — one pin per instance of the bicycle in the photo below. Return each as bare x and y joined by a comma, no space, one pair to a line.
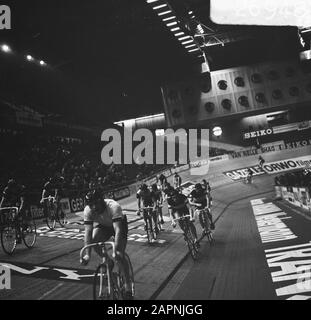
108,280
53,215
248,179
16,228
148,214
189,237
204,221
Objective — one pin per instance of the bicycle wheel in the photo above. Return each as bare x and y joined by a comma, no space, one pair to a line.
61,218
121,280
193,249
29,233
9,238
205,223
102,285
51,217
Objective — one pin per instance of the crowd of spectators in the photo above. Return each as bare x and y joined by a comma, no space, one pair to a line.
33,158
300,178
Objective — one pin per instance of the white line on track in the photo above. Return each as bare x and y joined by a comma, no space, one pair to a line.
51,291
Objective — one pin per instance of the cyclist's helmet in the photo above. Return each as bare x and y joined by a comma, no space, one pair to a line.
198,186
11,182
93,196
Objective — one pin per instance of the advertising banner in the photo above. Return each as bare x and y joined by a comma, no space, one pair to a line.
287,165
240,174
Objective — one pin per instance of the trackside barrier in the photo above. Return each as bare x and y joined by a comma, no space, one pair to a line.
299,197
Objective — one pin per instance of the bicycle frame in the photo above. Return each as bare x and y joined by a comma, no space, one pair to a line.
189,236
148,217
106,259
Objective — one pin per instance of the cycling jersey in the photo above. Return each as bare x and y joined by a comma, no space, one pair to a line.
157,195
199,196
147,197
12,195
51,186
179,200
113,212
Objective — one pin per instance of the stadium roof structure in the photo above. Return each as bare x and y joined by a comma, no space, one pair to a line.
106,60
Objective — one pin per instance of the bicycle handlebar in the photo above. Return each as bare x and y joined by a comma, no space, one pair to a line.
49,198
183,217
146,208
10,208
100,244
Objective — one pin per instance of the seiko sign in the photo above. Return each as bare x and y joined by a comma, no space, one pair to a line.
260,133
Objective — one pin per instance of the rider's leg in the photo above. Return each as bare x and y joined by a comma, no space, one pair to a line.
155,220
121,260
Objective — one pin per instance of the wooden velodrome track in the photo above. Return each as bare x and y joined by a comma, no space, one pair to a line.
235,267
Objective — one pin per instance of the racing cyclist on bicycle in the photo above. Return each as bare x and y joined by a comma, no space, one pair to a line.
53,188
148,199
179,206
14,196
206,186
103,218
199,198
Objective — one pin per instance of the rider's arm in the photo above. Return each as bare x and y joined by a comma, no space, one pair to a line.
119,229
119,236
22,199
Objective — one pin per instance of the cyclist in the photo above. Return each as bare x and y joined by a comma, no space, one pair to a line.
179,206
199,196
54,188
261,161
103,218
162,179
249,177
14,196
147,197
177,181
158,198
206,186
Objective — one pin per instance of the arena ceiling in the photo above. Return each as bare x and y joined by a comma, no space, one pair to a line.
106,60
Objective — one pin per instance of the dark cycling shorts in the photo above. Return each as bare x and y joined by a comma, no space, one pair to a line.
109,231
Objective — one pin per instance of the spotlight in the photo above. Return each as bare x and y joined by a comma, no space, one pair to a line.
217,131
5,48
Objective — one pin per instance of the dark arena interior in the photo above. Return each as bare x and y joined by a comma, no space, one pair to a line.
174,142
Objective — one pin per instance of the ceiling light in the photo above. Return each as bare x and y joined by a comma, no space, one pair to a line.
29,57
175,29
190,46
42,63
189,41
160,6
151,1
193,50
165,12
183,38
5,48
169,18
171,24
179,34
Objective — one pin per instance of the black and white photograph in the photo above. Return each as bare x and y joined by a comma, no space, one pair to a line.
155,151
